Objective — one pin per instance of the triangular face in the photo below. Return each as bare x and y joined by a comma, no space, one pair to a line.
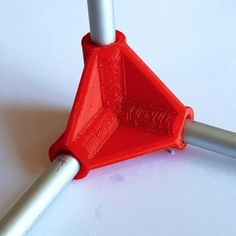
127,142
121,109
144,86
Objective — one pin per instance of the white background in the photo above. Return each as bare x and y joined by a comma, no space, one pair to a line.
191,45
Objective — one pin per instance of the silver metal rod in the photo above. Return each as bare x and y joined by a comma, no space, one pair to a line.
210,138
101,20
39,196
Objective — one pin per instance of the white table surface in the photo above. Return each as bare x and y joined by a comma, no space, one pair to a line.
191,45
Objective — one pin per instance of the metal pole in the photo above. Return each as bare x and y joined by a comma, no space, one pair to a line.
210,138
101,20
39,196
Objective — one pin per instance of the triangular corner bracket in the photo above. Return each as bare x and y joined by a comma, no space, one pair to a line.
121,109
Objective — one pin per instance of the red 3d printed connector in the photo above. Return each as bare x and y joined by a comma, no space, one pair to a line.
121,109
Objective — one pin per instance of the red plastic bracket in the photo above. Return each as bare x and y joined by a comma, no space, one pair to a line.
121,109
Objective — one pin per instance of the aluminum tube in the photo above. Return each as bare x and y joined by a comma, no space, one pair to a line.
39,196
101,21
210,138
